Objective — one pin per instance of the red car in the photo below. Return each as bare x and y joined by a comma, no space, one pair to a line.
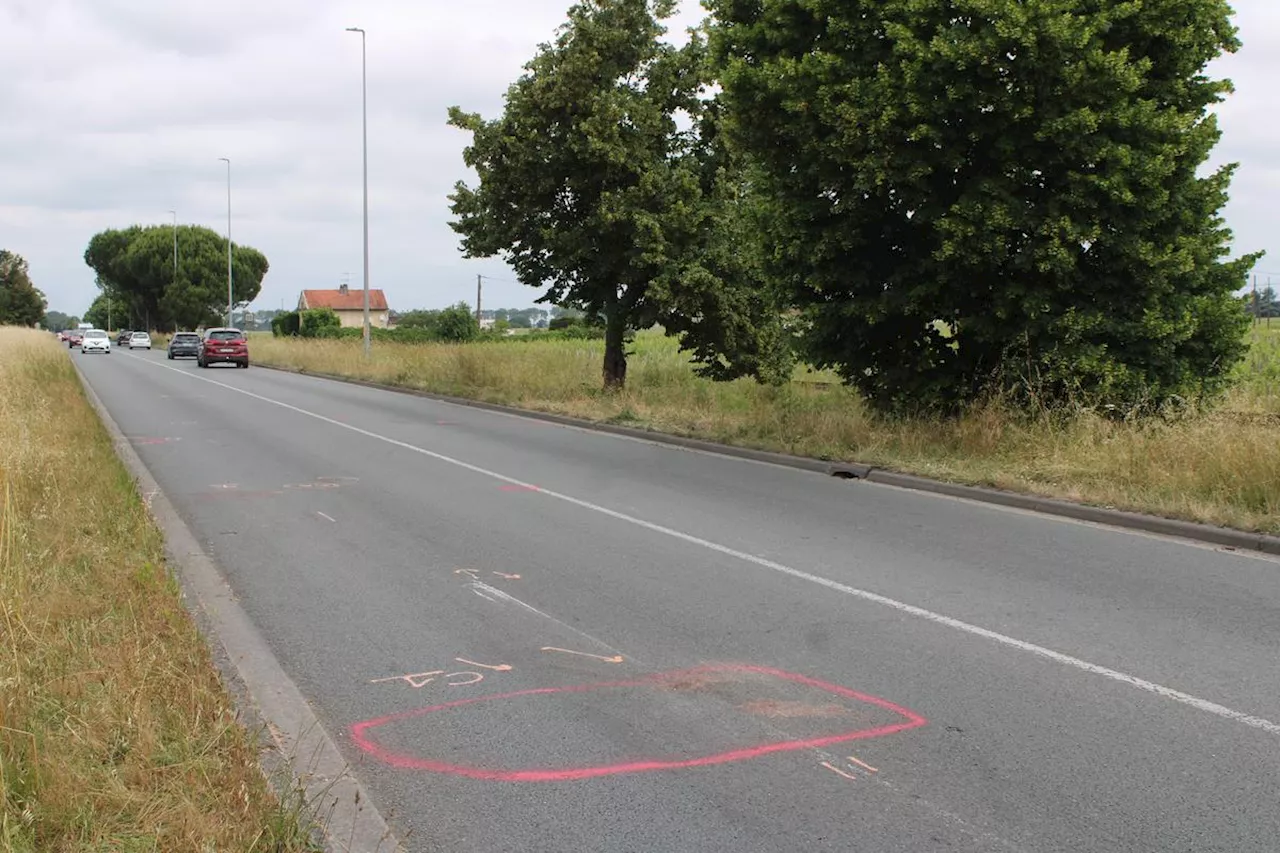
74,339
220,345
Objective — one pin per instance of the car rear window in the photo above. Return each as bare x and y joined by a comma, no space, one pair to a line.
225,336
186,336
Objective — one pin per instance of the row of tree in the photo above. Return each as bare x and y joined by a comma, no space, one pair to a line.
1263,304
21,302
939,201
167,277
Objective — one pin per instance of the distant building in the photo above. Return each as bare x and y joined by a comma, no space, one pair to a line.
348,304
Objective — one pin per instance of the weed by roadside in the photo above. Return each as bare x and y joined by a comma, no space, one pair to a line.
115,731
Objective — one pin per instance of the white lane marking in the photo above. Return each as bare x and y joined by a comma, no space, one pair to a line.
326,517
910,609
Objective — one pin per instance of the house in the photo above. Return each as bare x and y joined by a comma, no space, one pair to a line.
348,304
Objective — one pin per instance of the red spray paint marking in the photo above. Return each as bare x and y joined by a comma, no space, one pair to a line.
360,732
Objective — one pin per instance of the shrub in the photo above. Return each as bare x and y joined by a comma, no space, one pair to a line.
285,325
314,320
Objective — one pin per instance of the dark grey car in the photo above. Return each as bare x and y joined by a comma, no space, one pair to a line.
184,344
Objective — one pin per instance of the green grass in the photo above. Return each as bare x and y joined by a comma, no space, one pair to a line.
116,733
1220,466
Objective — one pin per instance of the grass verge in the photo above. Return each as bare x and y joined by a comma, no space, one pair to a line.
116,733
1219,466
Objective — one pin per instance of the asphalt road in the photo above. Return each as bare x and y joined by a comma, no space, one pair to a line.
529,637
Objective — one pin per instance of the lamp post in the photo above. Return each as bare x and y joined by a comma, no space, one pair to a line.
226,160
364,111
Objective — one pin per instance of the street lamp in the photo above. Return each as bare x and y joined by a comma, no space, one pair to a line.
229,298
364,108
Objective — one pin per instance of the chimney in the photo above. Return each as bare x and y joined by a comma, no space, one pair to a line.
342,288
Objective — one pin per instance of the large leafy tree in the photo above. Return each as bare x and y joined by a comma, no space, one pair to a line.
21,303
723,304
588,186
980,196
137,265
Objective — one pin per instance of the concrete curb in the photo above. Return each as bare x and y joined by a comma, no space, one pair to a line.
1224,536
351,823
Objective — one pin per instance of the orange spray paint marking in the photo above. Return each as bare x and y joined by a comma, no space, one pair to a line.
502,667
835,769
863,764
478,677
614,659
417,680
507,576
469,572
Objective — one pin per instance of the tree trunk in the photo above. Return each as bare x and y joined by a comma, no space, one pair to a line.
615,350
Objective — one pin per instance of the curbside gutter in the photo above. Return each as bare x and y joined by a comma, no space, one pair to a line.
1224,536
351,823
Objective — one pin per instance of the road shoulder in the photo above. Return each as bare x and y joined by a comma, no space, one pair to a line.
267,698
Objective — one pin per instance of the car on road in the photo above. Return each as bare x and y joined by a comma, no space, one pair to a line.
184,344
223,345
95,340
139,340
73,339
122,339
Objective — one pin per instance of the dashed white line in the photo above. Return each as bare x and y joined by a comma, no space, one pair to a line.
326,517
975,630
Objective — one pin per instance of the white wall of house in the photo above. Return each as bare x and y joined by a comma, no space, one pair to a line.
355,319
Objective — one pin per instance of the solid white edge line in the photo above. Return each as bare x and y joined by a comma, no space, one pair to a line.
910,609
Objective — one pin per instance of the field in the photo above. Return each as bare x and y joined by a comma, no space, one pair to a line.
1220,466
115,731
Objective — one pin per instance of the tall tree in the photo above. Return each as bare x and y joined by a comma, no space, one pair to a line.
994,195
724,306
587,184
21,303
137,264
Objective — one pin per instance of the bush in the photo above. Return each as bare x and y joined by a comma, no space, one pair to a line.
315,320
457,324
285,325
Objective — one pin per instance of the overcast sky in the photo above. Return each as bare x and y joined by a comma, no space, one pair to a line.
116,111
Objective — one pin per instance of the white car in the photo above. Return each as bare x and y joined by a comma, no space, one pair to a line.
139,340
95,340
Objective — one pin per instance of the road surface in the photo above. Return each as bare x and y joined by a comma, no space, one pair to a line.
530,637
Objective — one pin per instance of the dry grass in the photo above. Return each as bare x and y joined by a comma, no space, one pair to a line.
1220,466
115,731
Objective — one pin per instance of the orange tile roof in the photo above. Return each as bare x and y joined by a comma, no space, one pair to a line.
352,300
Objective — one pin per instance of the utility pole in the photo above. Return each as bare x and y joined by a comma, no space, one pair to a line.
479,278
229,297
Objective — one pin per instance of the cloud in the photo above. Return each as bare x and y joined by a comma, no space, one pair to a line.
117,111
